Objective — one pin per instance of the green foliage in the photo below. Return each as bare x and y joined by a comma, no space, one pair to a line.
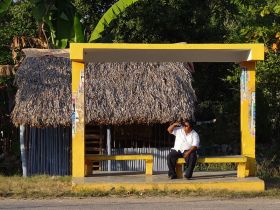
4,5
268,97
109,15
256,21
17,21
91,11
78,34
62,21
170,21
6,80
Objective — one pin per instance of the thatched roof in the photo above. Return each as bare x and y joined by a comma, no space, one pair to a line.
116,93
125,93
44,92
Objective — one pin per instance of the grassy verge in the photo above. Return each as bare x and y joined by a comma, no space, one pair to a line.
57,187
34,187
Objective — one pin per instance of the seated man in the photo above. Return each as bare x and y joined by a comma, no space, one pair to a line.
186,145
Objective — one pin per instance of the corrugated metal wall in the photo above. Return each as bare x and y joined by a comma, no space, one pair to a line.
160,156
48,150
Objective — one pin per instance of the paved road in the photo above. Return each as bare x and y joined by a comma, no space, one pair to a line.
161,203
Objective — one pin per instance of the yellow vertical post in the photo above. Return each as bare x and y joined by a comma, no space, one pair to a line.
248,115
78,125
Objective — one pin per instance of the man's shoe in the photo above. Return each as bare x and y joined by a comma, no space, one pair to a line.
188,178
173,177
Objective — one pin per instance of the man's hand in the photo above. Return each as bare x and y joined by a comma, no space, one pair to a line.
187,154
172,126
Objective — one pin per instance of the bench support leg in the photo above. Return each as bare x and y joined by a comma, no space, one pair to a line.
241,170
179,170
149,167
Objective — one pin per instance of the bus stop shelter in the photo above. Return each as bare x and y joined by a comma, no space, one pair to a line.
244,54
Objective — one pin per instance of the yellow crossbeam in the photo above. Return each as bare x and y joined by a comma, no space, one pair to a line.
125,52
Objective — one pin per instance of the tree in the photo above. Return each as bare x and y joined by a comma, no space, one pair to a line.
260,22
16,22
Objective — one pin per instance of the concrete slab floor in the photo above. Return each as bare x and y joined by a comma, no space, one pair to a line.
221,180
136,177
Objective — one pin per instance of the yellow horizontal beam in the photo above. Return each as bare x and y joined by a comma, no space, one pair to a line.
119,157
117,52
219,159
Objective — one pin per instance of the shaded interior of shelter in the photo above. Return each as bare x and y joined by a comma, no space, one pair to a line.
141,139
129,139
49,149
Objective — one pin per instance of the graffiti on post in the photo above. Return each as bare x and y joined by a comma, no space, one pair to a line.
74,115
78,105
243,83
253,114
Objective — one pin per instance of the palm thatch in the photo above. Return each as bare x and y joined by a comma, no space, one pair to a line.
143,93
44,92
116,93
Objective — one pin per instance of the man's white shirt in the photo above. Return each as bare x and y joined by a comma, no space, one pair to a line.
184,141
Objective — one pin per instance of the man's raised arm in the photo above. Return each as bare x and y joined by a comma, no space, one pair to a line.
172,126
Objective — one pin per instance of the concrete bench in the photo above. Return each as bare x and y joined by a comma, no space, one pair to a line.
147,157
239,159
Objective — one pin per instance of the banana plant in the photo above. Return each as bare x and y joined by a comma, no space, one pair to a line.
111,14
4,5
62,20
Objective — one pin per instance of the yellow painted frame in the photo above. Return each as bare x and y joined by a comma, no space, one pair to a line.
245,54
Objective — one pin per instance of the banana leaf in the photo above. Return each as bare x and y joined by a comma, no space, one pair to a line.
109,15
4,5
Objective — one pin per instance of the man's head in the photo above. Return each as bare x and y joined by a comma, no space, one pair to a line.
188,125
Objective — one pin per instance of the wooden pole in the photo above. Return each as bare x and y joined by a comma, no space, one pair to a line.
22,151
109,146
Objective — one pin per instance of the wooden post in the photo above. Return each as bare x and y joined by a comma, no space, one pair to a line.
78,124
248,115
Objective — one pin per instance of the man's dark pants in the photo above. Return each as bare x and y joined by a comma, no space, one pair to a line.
190,163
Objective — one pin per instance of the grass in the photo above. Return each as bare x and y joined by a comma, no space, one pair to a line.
59,187
34,187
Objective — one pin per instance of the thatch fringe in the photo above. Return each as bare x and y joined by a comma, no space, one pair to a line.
116,93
